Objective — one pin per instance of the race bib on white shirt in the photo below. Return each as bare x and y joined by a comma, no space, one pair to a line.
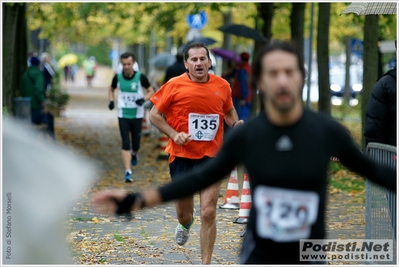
203,127
285,215
127,100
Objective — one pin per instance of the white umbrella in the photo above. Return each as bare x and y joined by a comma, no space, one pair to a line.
163,60
371,8
41,182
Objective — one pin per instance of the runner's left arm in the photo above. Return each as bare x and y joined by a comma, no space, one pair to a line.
231,118
351,156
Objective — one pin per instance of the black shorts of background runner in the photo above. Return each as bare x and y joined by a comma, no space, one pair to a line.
132,126
180,165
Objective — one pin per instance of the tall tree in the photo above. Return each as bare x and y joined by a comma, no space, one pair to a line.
265,12
323,30
297,19
14,50
370,63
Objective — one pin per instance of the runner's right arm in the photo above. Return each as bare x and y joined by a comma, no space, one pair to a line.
156,118
111,201
112,88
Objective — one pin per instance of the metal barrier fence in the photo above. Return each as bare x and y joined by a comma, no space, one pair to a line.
380,202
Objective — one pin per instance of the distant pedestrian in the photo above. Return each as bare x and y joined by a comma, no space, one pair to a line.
134,90
229,73
90,66
73,70
32,84
176,69
48,71
31,54
242,89
66,73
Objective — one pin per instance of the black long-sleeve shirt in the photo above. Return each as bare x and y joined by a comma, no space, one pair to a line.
287,168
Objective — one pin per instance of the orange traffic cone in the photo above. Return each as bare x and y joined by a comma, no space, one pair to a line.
246,202
145,130
232,200
163,141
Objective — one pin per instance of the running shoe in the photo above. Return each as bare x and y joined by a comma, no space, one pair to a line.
182,234
128,178
134,159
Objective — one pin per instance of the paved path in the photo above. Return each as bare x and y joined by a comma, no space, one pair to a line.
148,238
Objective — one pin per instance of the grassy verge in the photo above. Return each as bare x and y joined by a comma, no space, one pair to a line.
347,182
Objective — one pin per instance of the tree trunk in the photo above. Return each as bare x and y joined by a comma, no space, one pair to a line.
21,46
265,12
10,14
323,26
297,29
370,64
227,19
347,88
15,50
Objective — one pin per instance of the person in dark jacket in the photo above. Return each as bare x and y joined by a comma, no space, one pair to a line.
32,84
242,90
48,71
176,69
380,124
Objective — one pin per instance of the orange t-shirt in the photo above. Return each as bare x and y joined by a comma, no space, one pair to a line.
198,106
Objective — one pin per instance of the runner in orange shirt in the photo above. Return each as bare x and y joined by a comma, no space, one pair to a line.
195,105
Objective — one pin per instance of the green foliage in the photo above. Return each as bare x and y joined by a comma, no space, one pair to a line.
100,52
347,184
346,111
57,97
146,237
335,166
90,23
340,178
5,111
342,111
118,237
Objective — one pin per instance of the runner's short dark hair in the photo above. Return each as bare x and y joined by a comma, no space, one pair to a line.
195,45
127,55
274,46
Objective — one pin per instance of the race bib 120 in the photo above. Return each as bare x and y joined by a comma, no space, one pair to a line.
285,215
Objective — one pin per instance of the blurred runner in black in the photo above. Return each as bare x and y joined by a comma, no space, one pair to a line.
176,69
286,150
